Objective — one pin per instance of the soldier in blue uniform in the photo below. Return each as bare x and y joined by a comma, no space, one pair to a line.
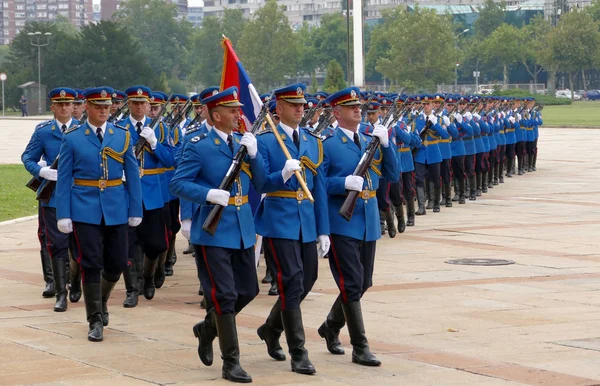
510,124
117,99
290,224
225,260
94,204
149,240
45,143
457,147
491,135
445,150
78,104
353,243
429,156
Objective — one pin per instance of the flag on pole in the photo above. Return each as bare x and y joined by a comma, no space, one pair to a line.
234,74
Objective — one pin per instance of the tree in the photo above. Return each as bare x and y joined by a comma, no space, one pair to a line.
534,42
206,52
574,45
420,43
334,79
162,38
502,49
330,40
594,10
491,16
267,47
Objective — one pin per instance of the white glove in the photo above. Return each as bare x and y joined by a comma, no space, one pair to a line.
458,118
354,183
518,117
249,140
49,174
323,245
446,120
134,221
381,132
290,167
468,115
42,163
511,119
148,133
65,225
477,116
123,178
186,227
432,118
218,196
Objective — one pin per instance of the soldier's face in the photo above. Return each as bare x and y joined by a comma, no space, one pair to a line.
115,106
199,110
154,110
139,109
348,116
437,104
372,117
77,109
97,114
315,117
290,113
427,108
62,111
227,118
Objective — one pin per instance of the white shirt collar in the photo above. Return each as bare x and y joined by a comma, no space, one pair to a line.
221,134
208,126
349,133
68,124
95,128
134,122
288,130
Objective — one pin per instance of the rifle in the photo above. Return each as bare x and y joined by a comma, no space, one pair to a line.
34,183
347,208
141,142
114,117
324,120
213,218
310,113
182,114
365,107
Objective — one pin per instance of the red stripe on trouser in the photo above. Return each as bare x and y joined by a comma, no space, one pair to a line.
213,291
339,269
167,239
412,186
79,255
279,275
48,240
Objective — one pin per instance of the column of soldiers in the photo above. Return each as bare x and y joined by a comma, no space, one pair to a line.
122,172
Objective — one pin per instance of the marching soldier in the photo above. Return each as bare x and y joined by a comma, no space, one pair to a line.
511,138
446,151
45,142
93,202
457,147
353,243
290,224
78,104
149,240
225,260
118,99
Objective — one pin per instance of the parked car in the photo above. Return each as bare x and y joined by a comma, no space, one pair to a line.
581,93
567,95
593,95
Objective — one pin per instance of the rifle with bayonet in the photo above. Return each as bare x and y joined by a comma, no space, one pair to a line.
365,107
324,120
118,114
141,142
310,113
214,216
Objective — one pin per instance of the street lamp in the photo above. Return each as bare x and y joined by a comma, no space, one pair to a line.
38,43
456,67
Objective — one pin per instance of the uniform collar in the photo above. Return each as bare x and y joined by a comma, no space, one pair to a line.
349,133
134,122
95,128
220,134
59,125
288,130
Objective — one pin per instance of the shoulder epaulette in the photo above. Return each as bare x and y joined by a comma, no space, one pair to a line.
238,133
311,133
265,131
192,129
42,124
120,127
199,138
72,128
367,134
326,137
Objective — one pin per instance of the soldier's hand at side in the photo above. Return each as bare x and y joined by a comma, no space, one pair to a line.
186,227
65,225
323,245
49,174
148,133
289,168
249,140
134,221
218,197
381,132
354,183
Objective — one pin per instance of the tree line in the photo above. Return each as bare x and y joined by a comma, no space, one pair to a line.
416,49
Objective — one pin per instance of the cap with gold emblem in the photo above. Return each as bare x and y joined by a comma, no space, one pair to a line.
99,95
226,98
138,93
346,97
293,93
62,95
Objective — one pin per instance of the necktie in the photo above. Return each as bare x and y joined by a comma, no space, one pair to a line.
99,134
139,127
63,128
357,141
230,142
296,139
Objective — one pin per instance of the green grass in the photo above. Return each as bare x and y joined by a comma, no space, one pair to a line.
584,113
16,200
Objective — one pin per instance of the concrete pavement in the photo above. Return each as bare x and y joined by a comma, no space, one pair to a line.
431,323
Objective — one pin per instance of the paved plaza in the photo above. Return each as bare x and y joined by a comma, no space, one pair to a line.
535,322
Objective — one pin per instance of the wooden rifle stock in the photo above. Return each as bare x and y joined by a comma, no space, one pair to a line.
214,216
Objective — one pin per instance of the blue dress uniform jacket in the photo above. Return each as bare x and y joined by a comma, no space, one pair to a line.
537,122
288,218
45,142
187,208
152,164
205,162
176,141
83,157
466,132
477,136
499,123
457,145
444,143
403,140
340,159
509,130
429,151
485,130
491,132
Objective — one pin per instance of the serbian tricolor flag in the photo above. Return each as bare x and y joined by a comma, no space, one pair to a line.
235,75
